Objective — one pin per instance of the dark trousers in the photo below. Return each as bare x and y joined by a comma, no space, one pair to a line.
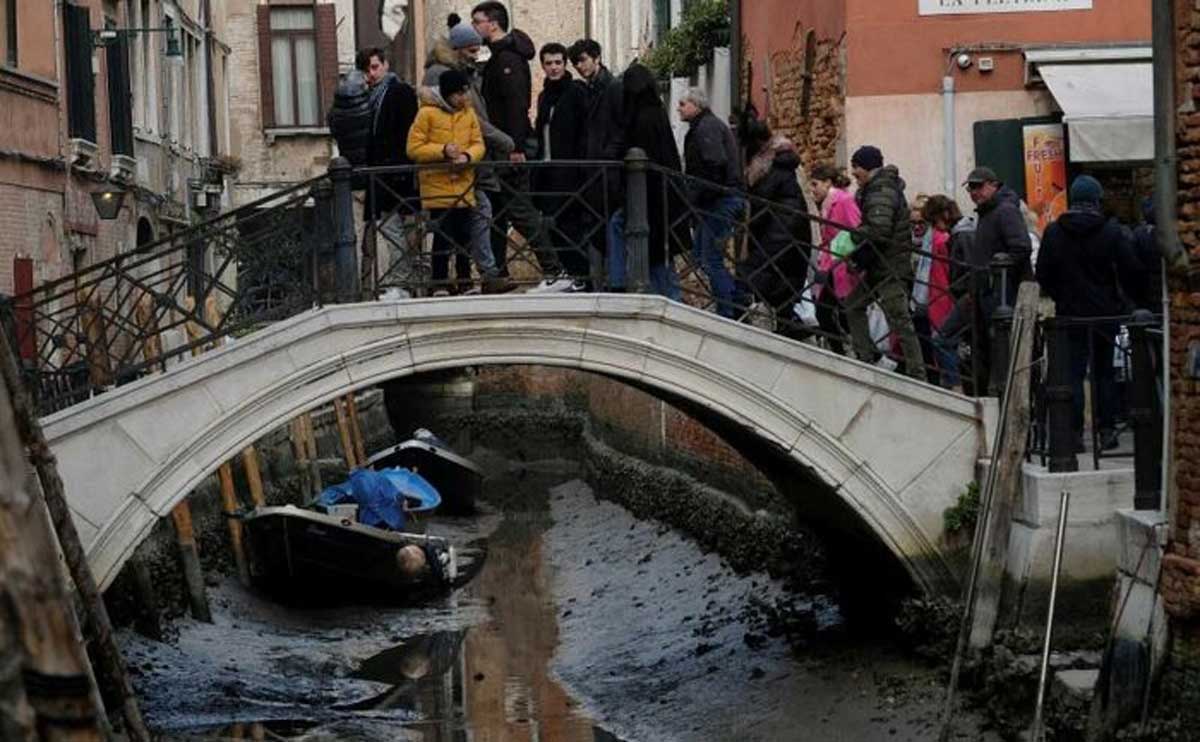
512,206
451,236
1094,347
925,336
832,320
569,236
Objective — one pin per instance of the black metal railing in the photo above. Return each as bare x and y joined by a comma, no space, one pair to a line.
600,226
1098,390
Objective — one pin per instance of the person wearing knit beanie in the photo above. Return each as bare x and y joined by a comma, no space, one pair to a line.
1086,190
451,82
463,36
867,157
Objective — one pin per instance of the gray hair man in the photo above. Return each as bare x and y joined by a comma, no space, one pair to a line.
710,156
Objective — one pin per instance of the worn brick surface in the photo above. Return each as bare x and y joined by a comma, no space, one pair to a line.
818,134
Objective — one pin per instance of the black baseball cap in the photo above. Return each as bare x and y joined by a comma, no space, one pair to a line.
982,175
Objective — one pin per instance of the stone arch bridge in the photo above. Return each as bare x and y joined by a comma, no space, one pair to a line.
893,451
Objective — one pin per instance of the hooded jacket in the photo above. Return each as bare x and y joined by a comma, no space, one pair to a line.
441,58
507,86
885,224
437,125
1001,228
777,264
647,126
351,117
1084,257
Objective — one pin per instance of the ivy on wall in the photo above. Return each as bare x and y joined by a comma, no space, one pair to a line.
689,46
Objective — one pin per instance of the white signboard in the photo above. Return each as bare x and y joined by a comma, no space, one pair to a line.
961,7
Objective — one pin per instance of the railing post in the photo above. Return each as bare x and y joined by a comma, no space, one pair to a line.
322,242
1147,437
1001,324
345,259
637,221
1060,409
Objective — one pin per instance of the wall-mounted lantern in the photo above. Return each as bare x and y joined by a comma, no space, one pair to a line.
108,202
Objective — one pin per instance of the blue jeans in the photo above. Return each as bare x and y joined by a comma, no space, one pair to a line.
946,350
664,281
708,249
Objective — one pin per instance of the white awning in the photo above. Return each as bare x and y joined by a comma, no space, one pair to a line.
1108,109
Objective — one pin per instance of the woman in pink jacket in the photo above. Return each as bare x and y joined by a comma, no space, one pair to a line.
834,278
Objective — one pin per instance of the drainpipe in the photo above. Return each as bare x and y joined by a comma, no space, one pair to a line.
1165,176
1166,195
735,54
949,146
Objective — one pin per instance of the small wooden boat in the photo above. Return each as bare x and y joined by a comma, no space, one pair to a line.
457,478
318,556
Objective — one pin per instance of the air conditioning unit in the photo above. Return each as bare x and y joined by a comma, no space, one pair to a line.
124,169
83,154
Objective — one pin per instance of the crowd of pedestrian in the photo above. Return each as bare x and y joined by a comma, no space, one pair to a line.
903,283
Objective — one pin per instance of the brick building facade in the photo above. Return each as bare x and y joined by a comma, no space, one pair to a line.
837,74
81,112
1181,565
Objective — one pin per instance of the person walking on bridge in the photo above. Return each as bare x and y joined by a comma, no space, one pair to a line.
1085,261
710,153
883,258
507,94
458,51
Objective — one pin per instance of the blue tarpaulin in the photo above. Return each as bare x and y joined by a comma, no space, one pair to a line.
381,495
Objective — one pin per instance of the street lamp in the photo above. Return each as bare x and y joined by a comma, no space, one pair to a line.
107,36
108,202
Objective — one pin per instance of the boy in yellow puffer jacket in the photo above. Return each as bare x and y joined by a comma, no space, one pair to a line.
446,130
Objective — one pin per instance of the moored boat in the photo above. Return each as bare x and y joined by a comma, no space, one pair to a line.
317,556
458,479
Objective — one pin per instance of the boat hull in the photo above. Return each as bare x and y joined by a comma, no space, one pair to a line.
313,557
456,478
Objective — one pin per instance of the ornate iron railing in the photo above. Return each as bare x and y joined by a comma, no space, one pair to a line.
600,226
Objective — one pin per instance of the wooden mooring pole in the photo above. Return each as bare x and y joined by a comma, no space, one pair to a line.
55,624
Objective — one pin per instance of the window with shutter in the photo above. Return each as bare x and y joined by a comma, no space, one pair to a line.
8,21
81,85
293,54
297,64
120,98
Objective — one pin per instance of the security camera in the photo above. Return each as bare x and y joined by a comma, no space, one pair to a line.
963,61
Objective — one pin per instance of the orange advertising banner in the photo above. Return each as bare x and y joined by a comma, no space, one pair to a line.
1045,172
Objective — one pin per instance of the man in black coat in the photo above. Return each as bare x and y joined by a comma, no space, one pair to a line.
999,228
392,198
1085,261
561,130
604,137
507,91
710,153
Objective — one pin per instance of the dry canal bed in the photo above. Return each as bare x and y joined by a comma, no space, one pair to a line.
584,625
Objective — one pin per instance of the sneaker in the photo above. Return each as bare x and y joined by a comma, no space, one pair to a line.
395,293
1109,439
559,284
886,363
473,291
440,293
498,285
578,287
760,315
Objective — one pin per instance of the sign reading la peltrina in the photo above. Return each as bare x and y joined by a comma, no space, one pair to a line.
962,7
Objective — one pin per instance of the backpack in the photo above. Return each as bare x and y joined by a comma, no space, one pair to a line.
350,118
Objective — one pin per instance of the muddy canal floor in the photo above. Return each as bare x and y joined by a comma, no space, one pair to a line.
584,625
